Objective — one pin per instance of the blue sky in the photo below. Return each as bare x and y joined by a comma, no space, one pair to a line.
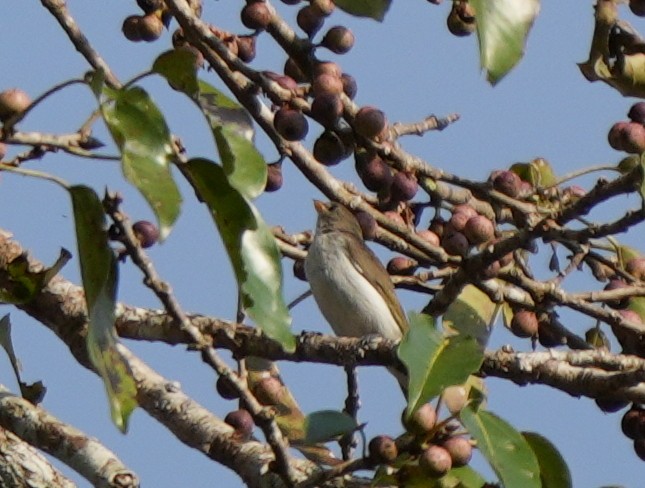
410,67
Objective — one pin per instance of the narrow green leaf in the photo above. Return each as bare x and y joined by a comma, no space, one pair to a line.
179,68
99,276
502,29
251,248
434,361
554,471
141,134
327,425
506,450
471,314
23,284
375,9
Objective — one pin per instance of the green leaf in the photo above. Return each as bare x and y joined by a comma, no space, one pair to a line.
375,9
434,361
141,134
472,313
327,425
251,248
508,453
23,284
232,129
462,477
230,123
179,68
99,276
502,28
554,471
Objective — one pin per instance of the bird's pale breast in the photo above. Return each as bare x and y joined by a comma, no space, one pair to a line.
351,305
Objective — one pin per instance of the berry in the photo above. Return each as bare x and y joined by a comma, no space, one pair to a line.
609,405
374,173
370,122
455,243
326,84
633,423
458,221
226,389
290,124
508,183
636,268
324,7
368,225
639,444
245,48
460,450
284,81
401,265
299,270
150,27
329,149
634,138
256,16
479,229
548,337
616,284
637,112
435,461
461,19
404,187
146,233
638,8
13,102
616,135
454,398
327,68
430,237
524,323
382,450
242,422
130,28
326,109
274,177
338,39
422,421
349,85
465,209
309,20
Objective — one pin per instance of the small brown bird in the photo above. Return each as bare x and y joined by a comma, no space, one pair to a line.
350,285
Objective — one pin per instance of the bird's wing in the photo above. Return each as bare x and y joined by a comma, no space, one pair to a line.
362,261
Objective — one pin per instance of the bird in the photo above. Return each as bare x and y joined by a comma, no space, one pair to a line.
350,285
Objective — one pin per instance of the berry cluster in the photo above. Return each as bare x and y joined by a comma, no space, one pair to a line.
436,446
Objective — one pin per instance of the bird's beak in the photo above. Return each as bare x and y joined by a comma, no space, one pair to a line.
321,207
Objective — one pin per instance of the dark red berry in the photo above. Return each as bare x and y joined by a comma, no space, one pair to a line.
326,84
422,421
246,48
620,303
401,265
508,183
290,124
226,389
382,450
524,323
609,405
349,85
404,187
460,450
242,422
309,20
435,461
338,39
150,27
368,225
146,233
479,229
637,111
326,109
374,173
256,16
370,122
274,177
636,268
329,149
455,243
